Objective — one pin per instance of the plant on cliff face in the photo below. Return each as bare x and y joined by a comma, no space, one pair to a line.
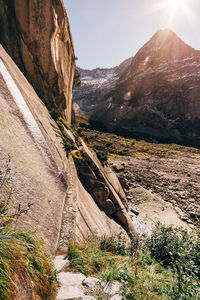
9,212
77,79
6,193
24,265
55,113
102,156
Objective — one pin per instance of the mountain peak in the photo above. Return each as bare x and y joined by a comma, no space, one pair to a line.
162,47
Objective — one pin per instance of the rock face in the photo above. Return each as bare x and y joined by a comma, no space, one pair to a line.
157,95
38,164
43,175
36,34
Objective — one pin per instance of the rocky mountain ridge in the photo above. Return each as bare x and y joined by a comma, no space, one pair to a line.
156,96
95,84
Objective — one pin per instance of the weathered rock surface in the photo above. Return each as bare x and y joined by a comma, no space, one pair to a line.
36,34
157,95
42,175
71,285
112,288
38,161
77,286
103,186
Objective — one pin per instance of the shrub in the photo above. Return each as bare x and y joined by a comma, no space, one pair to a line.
88,259
55,113
115,245
102,156
79,130
176,248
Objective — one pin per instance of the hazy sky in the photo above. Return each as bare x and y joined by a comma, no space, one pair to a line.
106,32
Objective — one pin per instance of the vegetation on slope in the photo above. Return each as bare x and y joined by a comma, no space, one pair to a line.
25,269
118,145
163,266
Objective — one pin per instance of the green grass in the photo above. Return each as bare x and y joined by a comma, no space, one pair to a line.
120,146
163,266
23,258
24,263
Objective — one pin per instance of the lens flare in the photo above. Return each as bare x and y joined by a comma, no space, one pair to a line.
127,96
144,64
146,60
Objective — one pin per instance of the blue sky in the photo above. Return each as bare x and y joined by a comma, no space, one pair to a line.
106,32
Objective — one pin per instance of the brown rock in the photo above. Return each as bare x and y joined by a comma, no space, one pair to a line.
37,35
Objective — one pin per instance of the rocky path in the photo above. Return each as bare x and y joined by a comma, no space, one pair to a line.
163,188
77,287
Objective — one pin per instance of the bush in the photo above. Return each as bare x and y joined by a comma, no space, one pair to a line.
79,130
176,248
115,245
55,113
88,259
102,156
140,278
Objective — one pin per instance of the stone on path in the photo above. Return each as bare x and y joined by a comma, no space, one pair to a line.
70,286
91,282
112,288
60,261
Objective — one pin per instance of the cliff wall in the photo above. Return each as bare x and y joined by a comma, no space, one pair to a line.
43,175
36,34
44,172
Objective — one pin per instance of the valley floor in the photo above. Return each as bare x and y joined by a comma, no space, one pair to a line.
162,188
161,181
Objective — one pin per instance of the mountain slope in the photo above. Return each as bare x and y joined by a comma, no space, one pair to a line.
95,84
157,95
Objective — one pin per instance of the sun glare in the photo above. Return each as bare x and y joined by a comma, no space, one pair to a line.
177,4
173,11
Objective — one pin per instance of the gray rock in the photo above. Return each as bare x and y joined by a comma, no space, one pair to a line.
69,292
116,297
70,286
84,298
87,298
112,288
91,282
60,261
71,279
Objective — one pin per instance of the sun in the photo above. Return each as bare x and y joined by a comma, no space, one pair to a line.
172,11
177,4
